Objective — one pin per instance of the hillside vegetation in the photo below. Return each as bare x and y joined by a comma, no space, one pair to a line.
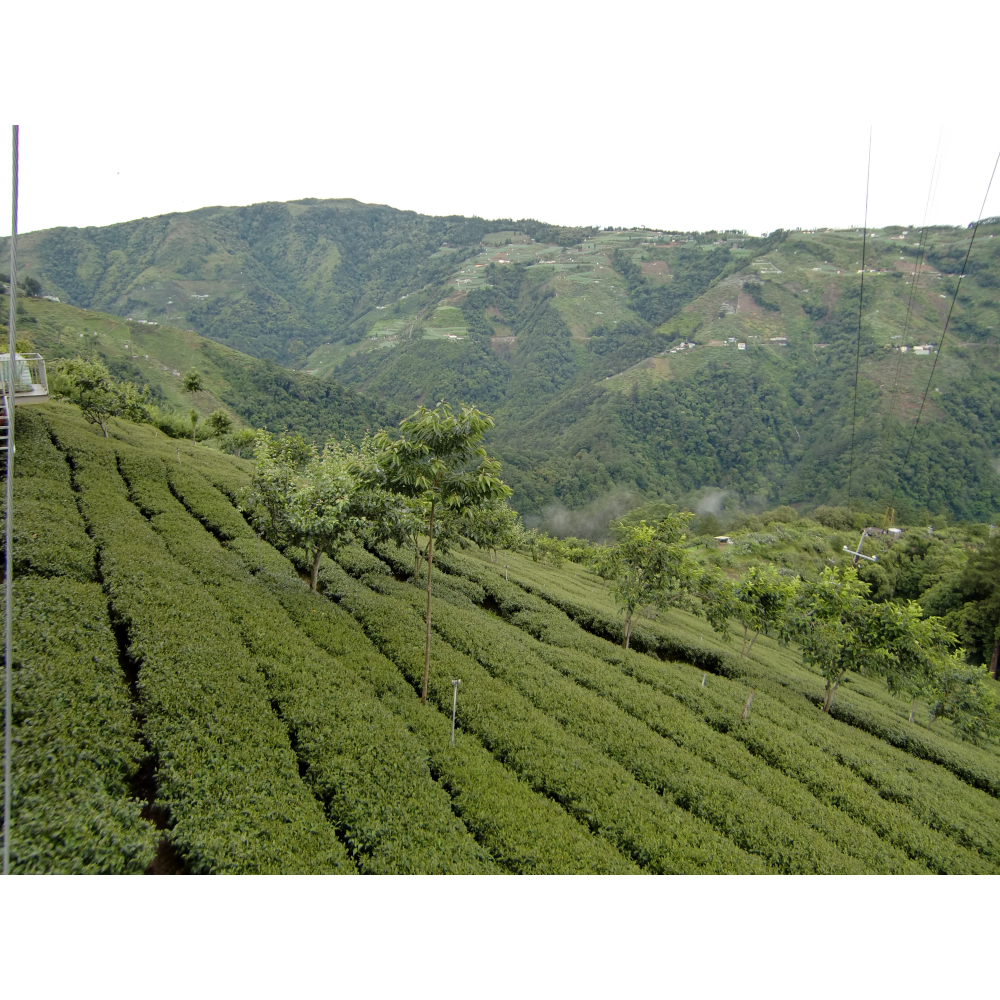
185,702
256,393
610,358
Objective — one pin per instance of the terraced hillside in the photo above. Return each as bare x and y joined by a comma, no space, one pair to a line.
184,703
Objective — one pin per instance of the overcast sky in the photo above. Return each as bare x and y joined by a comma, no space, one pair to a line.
680,116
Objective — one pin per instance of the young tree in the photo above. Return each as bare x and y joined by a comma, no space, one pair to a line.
192,381
761,601
493,526
964,695
838,629
90,385
194,423
919,650
439,462
219,422
302,496
648,566
240,441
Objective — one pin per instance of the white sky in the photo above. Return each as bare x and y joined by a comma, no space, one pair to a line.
686,116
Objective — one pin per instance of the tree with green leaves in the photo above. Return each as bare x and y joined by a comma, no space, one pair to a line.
493,526
194,416
919,648
219,423
964,694
648,566
100,396
236,442
192,380
761,601
839,629
303,496
439,462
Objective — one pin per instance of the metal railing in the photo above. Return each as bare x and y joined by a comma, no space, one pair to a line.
30,382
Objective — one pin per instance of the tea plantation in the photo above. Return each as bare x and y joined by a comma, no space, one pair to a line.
185,704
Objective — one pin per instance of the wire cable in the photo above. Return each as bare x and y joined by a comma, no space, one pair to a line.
944,332
909,309
861,307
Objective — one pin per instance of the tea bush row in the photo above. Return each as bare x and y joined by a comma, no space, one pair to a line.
598,791
737,810
868,792
525,832
225,769
973,765
49,535
360,760
75,751
709,772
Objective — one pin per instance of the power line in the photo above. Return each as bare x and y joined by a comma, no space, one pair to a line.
944,332
909,307
861,307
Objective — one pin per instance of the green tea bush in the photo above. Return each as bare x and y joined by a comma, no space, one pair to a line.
911,822
598,791
525,832
49,535
75,751
823,757
760,826
359,759
225,769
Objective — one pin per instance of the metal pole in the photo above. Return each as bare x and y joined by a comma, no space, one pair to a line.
454,707
9,537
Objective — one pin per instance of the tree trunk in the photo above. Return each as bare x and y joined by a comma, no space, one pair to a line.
627,629
995,658
427,647
752,641
831,690
102,424
194,440
913,707
746,707
315,570
744,647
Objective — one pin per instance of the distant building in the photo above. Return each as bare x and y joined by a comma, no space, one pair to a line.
723,540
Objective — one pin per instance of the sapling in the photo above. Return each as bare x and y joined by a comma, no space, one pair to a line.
647,567
439,462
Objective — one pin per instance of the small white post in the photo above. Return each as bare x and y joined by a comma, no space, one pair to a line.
454,707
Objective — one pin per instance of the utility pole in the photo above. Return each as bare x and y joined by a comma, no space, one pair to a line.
9,537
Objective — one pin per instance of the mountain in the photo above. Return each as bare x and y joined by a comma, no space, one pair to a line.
271,280
580,344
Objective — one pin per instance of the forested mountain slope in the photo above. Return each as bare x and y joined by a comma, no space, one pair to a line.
256,393
184,703
580,342
271,280
618,365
